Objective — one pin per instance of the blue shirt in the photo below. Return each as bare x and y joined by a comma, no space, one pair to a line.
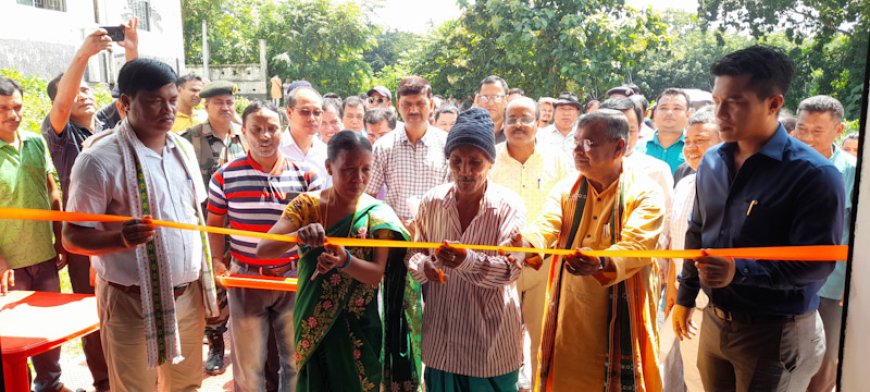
672,155
787,194
836,283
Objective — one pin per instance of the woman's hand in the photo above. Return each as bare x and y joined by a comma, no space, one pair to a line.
312,235
333,257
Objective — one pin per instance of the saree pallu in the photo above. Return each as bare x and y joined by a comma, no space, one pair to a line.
341,342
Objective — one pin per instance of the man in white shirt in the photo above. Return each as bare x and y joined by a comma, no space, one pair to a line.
305,112
559,136
152,299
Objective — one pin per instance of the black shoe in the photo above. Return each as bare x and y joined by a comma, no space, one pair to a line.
214,364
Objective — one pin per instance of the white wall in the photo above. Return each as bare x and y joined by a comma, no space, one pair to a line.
856,352
43,42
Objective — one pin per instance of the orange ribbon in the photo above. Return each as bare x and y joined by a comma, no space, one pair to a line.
796,253
257,282
793,253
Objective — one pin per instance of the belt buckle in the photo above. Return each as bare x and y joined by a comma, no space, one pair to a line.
723,314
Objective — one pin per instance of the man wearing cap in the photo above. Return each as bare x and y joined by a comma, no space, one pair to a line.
219,139
215,142
529,170
600,327
560,135
379,97
472,338
72,120
410,159
492,96
189,87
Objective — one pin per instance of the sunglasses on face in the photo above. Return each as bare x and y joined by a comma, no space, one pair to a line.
377,100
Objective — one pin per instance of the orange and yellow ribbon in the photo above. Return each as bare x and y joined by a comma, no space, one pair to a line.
792,253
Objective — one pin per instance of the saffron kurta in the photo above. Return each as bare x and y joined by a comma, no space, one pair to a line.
580,340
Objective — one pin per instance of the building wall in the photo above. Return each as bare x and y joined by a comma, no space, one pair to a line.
247,77
43,42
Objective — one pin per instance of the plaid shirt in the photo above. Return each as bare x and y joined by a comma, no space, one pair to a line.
408,171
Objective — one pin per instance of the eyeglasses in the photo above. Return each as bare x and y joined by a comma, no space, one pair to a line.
309,112
511,121
492,98
589,144
378,100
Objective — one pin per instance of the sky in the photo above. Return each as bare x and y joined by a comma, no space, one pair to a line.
418,16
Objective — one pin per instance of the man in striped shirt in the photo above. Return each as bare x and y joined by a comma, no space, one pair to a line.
251,193
472,336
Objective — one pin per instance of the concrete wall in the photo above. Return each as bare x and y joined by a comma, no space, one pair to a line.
248,77
42,42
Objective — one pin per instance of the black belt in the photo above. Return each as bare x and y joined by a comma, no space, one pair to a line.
750,318
136,292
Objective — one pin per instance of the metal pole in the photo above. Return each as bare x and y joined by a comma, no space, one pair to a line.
205,52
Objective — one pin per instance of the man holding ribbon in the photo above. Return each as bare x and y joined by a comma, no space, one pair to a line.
472,335
761,330
250,193
600,324
154,285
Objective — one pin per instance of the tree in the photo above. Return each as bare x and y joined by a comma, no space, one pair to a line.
543,47
391,44
320,41
231,30
832,36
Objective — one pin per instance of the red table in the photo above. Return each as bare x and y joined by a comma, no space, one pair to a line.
32,323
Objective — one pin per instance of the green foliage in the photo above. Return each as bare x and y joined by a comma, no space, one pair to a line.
831,36
543,47
37,105
231,30
390,46
241,104
319,41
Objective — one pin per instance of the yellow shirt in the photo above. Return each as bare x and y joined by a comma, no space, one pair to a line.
579,356
183,121
533,179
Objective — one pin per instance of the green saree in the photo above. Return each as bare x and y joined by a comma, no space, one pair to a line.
341,342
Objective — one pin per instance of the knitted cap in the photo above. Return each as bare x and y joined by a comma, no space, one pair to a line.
473,127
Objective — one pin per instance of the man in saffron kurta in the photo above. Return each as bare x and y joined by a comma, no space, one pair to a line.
599,329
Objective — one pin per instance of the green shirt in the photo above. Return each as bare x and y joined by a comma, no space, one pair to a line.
23,174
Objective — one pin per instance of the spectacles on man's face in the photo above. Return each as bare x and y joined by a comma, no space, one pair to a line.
525,120
379,101
491,98
310,112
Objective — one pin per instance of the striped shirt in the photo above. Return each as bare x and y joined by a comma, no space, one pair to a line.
472,322
408,171
254,200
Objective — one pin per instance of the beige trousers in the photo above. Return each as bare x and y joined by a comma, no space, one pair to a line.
532,287
123,336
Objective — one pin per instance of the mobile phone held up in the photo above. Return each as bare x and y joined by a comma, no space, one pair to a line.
116,33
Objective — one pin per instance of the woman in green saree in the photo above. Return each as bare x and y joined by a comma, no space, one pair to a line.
341,342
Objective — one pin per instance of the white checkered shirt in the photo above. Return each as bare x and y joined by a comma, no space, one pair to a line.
409,171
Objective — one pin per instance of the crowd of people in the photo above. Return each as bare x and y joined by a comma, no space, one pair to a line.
508,170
